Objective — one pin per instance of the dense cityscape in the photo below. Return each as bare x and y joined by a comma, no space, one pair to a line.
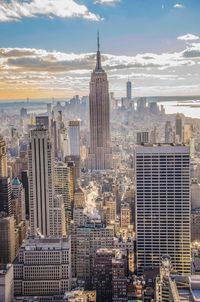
99,199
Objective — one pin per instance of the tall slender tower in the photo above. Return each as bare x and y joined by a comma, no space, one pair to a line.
3,158
100,155
129,90
179,128
41,182
74,137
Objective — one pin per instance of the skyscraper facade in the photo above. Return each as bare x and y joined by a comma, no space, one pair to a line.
169,133
74,138
41,182
5,195
43,269
100,155
90,238
62,187
163,206
129,90
3,158
7,239
179,128
142,137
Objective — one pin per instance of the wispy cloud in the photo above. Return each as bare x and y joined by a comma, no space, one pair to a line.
67,73
106,2
178,5
188,37
15,10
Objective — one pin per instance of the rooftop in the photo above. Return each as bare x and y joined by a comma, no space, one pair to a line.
45,244
16,181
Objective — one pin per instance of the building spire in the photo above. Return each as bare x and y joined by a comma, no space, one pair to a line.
98,62
98,44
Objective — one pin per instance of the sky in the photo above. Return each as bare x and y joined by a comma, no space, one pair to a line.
47,47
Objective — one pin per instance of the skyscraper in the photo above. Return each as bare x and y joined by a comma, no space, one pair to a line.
41,182
5,195
74,138
179,128
3,158
169,134
7,239
128,90
100,155
163,206
62,187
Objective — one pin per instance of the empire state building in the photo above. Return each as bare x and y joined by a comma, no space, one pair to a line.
100,154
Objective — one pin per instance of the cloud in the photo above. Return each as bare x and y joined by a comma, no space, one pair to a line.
178,5
41,60
106,2
36,70
192,51
188,37
15,10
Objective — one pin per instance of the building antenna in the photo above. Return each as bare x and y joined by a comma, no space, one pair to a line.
98,43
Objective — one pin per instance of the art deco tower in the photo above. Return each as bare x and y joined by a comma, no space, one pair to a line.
100,155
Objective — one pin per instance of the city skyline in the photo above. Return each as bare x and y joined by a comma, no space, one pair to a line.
49,51
99,150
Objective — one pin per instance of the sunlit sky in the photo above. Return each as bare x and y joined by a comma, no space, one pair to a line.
47,46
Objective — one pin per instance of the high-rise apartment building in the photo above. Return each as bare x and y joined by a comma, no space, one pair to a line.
163,206
74,138
41,182
43,268
100,154
3,158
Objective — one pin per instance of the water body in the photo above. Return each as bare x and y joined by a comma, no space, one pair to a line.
188,108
